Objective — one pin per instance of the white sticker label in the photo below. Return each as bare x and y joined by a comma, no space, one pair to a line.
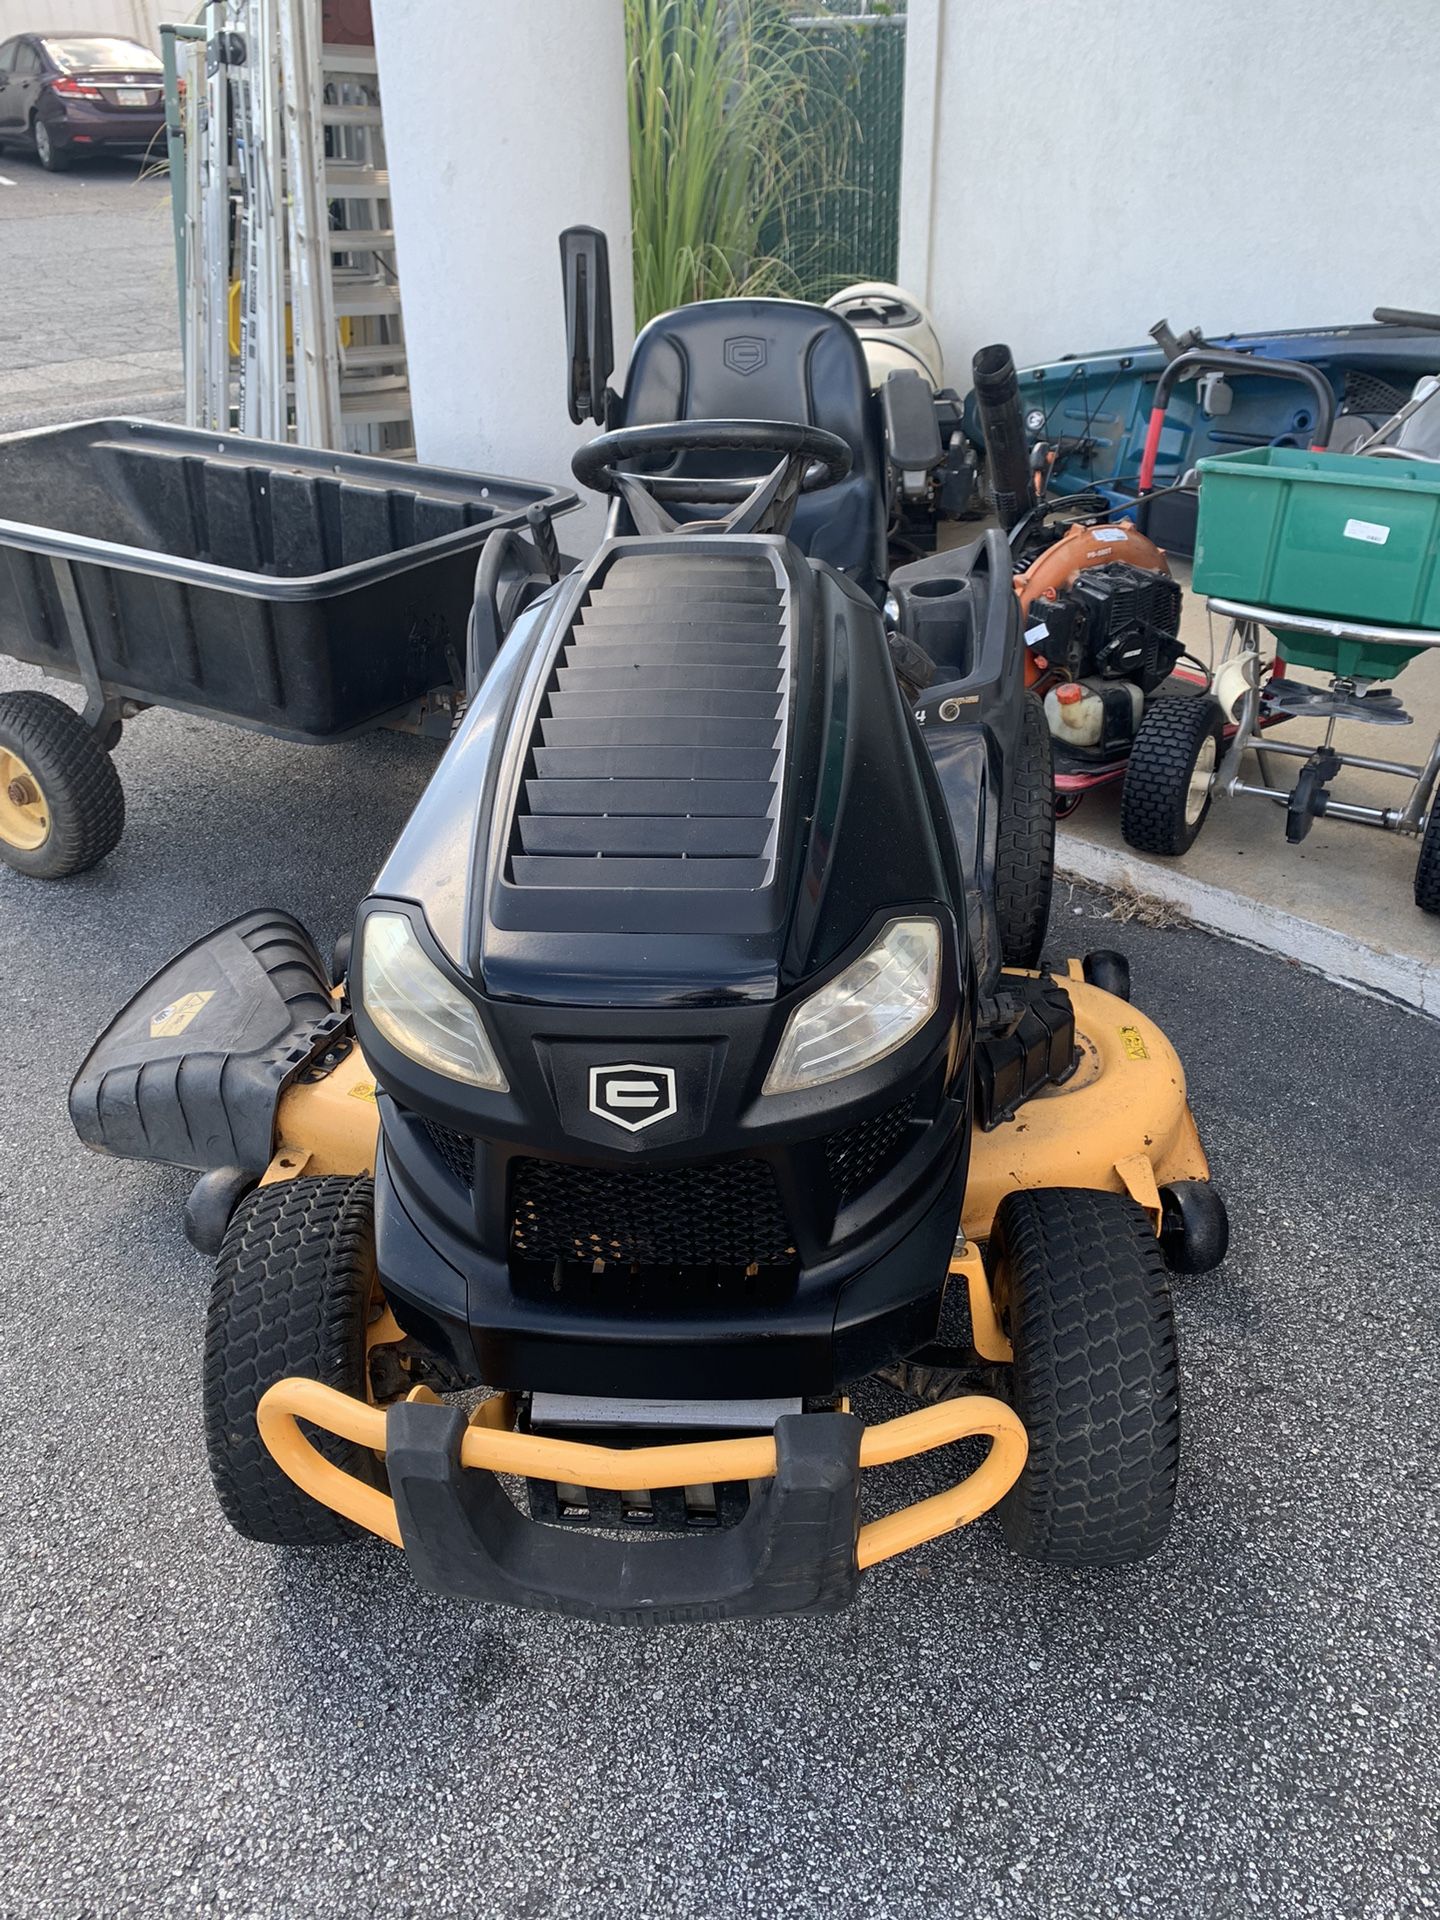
1367,530
1038,632
1108,533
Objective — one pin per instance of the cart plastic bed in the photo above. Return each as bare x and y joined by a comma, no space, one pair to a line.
304,593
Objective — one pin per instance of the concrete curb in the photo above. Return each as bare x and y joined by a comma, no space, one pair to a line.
1399,977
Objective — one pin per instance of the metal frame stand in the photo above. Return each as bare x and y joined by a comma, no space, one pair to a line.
1242,639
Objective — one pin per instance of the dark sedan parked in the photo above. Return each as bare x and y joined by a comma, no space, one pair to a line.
68,94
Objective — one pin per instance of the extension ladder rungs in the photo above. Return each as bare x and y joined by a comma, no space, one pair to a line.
365,302
344,182
350,116
359,299
354,359
359,410
360,239
348,60
387,396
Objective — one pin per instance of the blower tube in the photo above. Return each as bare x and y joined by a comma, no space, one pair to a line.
997,394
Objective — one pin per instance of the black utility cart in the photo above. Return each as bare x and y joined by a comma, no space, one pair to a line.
306,594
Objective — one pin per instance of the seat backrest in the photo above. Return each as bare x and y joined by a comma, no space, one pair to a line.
774,360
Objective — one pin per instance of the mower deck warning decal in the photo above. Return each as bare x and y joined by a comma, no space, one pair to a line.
1133,1042
175,1018
632,1096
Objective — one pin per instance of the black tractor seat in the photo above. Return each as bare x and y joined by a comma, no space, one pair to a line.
772,360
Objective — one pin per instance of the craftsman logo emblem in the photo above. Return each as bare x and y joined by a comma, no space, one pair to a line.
632,1096
745,353
175,1018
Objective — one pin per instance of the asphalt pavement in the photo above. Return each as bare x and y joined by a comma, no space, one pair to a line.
88,318
1248,1723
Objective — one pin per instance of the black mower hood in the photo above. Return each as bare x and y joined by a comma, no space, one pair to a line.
689,778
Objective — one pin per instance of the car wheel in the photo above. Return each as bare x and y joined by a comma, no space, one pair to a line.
53,159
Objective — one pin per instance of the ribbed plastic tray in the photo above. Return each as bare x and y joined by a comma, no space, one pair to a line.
306,593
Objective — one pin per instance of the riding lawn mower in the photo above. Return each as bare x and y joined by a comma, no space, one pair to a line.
695,1041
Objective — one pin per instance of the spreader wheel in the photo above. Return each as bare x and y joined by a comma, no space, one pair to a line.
62,808
1025,851
1170,778
1427,868
1080,1285
294,1289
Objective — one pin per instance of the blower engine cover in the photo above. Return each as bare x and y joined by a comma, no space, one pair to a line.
895,330
1118,622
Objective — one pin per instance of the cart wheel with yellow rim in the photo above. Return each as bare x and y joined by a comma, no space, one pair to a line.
62,808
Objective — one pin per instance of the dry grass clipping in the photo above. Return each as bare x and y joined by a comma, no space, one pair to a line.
1124,905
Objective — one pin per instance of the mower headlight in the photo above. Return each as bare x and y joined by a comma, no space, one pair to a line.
421,1012
863,1013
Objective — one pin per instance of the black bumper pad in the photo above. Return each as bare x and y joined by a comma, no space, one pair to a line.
191,1072
792,1553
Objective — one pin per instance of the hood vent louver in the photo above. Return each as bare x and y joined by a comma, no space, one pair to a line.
657,758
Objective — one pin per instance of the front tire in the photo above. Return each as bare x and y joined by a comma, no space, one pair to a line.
1170,780
294,1285
62,808
52,157
1080,1286
1025,848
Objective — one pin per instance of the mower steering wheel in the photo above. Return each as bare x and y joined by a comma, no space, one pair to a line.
825,457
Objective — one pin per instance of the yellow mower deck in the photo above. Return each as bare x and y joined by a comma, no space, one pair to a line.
1120,1124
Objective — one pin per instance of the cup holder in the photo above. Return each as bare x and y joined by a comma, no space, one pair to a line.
935,589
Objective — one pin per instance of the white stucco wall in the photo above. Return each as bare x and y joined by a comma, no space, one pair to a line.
502,129
1074,172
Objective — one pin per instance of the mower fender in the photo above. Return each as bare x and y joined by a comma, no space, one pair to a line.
1124,1103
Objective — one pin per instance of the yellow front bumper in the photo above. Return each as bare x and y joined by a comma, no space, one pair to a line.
491,1445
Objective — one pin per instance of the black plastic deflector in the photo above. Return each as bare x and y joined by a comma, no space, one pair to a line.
793,1552
192,1070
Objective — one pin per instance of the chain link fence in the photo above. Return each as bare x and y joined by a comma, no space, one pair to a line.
850,229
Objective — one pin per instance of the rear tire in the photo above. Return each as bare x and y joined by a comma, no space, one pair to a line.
1170,780
53,158
1427,868
62,808
1081,1289
1025,848
293,1287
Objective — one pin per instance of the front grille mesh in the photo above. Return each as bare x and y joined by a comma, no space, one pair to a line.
858,1156
725,1214
457,1150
